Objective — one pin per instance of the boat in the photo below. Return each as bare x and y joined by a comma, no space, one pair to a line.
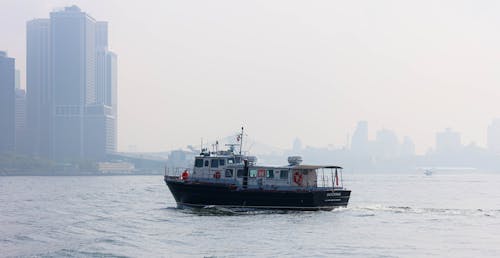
230,179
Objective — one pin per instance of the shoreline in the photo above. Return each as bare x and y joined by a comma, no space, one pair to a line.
73,173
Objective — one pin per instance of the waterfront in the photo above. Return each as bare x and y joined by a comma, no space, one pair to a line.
395,215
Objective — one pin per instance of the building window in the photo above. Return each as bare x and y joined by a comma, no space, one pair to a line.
198,163
229,173
253,172
222,162
240,173
214,163
270,173
284,174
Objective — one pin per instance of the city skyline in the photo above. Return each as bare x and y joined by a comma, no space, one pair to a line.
68,111
336,88
7,102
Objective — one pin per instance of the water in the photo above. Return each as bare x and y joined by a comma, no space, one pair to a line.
453,215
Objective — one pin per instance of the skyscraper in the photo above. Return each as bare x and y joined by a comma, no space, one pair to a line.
22,143
72,48
18,79
407,147
106,86
7,103
359,141
448,142
82,124
386,144
38,88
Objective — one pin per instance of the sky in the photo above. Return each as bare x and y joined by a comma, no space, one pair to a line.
285,69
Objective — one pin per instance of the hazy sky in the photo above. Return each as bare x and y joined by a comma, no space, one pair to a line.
286,69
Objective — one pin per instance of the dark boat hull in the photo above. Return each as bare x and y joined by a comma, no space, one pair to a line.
198,194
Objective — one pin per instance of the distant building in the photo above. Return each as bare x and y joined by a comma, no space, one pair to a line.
115,167
178,158
359,141
448,142
386,144
18,79
493,137
38,88
20,109
7,103
21,142
106,93
407,147
71,84
72,47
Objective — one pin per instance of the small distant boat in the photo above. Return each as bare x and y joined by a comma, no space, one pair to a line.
428,172
231,180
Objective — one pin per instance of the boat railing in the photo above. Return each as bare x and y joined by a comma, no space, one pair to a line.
176,171
329,177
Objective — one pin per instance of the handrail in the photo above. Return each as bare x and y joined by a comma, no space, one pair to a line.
176,171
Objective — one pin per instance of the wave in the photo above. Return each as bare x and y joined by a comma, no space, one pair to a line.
437,211
78,253
214,210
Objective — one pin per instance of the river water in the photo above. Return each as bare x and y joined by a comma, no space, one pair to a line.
398,215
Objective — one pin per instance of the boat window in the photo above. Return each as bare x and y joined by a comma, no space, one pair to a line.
229,173
222,162
198,163
230,161
237,160
253,172
206,163
261,173
270,173
240,173
284,174
214,163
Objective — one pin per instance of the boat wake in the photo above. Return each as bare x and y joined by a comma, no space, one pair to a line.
373,209
214,210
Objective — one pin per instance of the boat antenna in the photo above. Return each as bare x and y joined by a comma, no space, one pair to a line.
241,139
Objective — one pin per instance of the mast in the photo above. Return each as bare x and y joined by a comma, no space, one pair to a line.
241,138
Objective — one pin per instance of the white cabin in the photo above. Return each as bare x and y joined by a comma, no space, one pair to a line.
229,167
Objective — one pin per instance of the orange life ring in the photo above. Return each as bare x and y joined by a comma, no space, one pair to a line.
185,175
217,174
297,178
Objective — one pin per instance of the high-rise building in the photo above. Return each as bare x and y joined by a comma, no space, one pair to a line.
7,103
82,124
359,141
72,48
407,147
22,143
493,136
18,79
38,88
448,142
386,144
105,90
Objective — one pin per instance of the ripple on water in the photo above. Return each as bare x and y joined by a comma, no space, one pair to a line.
136,216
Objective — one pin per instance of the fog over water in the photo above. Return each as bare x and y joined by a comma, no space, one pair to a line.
286,69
